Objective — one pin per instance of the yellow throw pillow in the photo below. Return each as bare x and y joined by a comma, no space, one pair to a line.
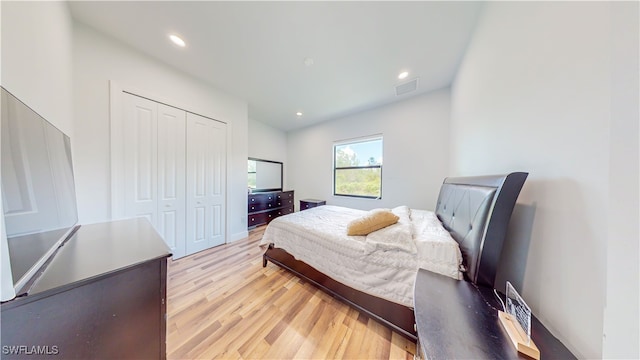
372,221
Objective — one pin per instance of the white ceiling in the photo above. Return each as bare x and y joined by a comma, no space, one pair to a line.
256,50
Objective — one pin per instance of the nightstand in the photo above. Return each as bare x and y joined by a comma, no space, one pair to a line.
311,203
456,319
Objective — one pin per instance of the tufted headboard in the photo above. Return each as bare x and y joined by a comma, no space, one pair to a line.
476,211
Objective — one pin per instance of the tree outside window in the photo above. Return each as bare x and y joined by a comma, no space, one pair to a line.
358,168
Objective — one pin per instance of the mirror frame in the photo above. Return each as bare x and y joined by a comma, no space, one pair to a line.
281,175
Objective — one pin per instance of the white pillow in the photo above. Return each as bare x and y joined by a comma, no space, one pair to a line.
395,237
437,250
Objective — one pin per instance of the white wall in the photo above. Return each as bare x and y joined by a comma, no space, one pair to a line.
622,308
268,143
415,152
37,68
6,279
534,93
99,60
37,58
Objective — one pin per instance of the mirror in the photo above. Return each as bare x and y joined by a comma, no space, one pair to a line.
264,175
38,191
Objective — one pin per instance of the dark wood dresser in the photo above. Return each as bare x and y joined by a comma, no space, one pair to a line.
102,296
266,206
459,320
311,203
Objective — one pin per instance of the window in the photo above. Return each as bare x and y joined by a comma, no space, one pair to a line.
251,173
357,168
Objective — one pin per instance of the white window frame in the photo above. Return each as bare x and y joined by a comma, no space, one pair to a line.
356,141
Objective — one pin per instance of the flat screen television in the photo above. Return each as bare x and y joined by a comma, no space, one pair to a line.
38,189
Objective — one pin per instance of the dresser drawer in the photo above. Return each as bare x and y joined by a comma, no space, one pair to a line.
311,203
270,215
256,219
286,195
284,199
259,202
285,210
288,201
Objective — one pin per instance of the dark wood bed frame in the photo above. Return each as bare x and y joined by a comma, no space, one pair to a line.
475,210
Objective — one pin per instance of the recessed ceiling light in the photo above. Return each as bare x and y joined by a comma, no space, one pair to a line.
177,40
403,75
298,114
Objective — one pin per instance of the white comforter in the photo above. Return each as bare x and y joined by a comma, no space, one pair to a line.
383,264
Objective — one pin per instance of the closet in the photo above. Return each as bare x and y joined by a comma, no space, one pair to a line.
173,172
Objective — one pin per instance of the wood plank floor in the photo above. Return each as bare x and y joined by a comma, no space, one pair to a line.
222,304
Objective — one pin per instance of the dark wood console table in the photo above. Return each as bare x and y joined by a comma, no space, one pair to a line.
103,296
459,320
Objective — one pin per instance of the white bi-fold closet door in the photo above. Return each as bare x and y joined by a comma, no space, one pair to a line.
206,162
174,173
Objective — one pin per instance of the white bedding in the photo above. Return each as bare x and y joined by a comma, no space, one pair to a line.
383,264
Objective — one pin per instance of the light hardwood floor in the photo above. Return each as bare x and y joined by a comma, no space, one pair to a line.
222,304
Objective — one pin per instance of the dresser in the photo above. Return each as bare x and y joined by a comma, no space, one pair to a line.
102,296
266,206
311,203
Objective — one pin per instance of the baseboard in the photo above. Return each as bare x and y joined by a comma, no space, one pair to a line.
238,236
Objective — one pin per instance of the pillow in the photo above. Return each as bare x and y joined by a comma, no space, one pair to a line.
402,211
398,236
372,221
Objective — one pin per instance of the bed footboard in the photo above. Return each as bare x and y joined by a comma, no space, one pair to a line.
395,316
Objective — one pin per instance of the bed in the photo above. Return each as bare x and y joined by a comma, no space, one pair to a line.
375,274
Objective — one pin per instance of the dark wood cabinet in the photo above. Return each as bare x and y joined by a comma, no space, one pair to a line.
266,206
102,296
311,203
456,319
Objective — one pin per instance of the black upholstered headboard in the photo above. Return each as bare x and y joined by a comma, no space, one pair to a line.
476,211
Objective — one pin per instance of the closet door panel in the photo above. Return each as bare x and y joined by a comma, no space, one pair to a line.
206,174
171,178
217,191
217,225
140,157
173,166
197,167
